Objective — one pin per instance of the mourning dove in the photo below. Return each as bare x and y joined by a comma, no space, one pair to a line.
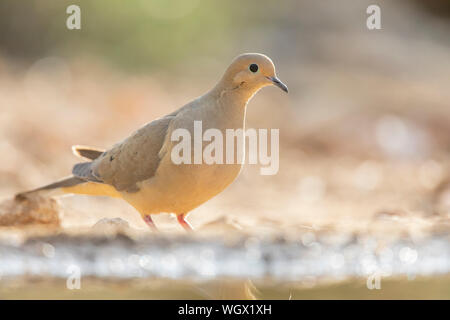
140,169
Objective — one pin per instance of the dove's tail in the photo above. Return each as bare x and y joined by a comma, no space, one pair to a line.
75,185
53,189
72,185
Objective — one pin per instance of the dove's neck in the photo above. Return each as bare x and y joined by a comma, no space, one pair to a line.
238,93
231,103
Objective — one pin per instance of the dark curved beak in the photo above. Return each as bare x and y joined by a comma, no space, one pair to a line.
278,83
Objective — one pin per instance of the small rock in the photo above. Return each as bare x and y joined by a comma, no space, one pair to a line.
30,210
111,226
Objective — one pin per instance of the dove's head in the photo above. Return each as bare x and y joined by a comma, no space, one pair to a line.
249,72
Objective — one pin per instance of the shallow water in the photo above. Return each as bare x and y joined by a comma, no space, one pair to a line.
200,259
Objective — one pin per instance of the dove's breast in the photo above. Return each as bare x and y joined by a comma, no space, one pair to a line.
179,188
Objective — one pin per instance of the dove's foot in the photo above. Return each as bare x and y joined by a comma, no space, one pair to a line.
186,225
149,221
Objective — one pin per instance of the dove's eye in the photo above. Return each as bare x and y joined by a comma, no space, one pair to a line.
253,67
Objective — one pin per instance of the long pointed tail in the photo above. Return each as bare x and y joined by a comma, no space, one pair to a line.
52,189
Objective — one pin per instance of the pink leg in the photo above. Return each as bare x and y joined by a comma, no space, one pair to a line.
148,220
186,225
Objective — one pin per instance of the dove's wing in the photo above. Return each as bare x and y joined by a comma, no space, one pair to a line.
133,160
88,153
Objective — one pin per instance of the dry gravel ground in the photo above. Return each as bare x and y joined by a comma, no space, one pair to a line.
365,169
364,148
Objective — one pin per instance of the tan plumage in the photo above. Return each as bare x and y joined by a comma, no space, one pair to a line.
139,169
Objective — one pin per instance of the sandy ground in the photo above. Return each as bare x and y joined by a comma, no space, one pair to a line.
421,288
364,148
379,168
364,134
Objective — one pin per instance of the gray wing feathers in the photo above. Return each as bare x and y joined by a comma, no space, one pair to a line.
133,160
84,171
87,152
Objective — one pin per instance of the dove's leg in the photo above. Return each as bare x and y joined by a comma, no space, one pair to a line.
186,225
149,221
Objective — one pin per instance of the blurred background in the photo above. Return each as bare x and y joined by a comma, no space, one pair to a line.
364,130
